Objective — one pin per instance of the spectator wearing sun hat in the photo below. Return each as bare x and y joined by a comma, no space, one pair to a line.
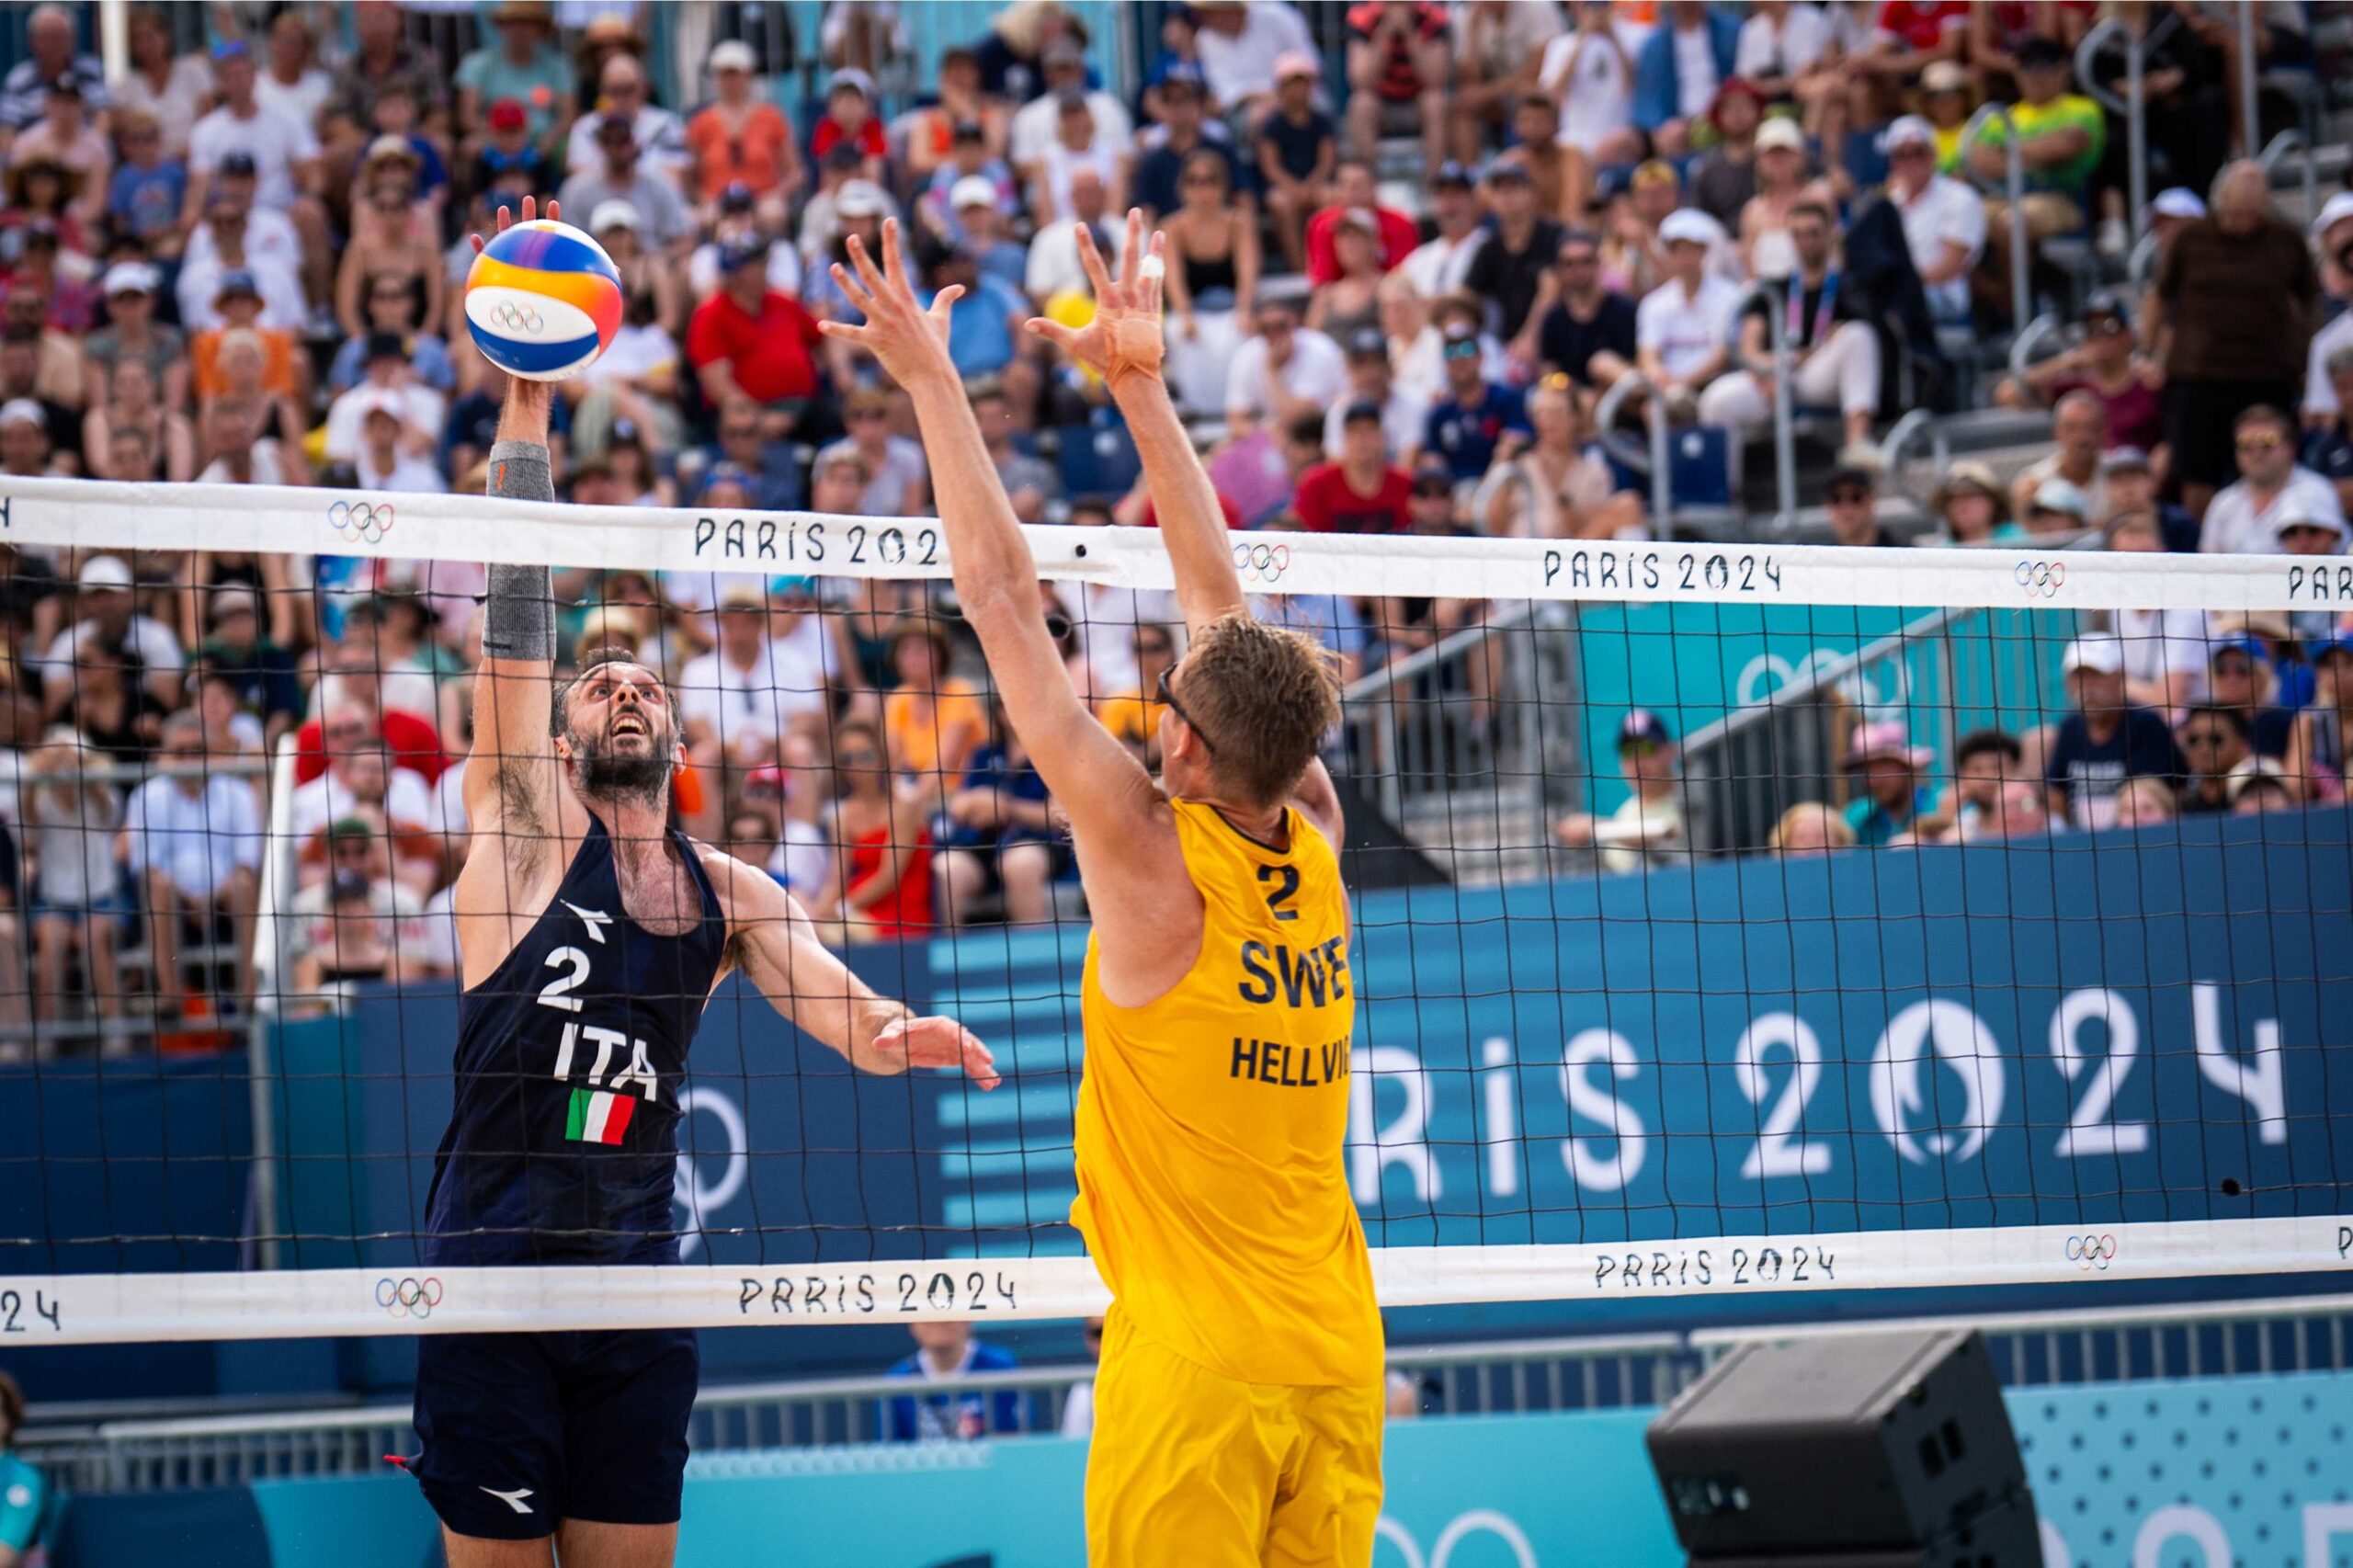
526,67
1889,772
742,139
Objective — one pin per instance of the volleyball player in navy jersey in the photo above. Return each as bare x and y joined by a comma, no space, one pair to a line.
592,935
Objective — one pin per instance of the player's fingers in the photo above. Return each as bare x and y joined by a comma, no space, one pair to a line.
848,334
854,288
946,298
1131,248
1153,270
868,273
1092,260
894,268
1053,332
979,1063
530,208
555,208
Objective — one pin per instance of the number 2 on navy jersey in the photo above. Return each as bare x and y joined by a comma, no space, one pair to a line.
557,993
1286,880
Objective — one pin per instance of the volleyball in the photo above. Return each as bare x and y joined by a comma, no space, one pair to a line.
543,300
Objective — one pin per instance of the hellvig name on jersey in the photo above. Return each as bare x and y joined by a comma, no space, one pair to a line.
562,1142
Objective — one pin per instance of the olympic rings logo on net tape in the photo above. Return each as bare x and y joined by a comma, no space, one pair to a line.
1262,563
361,522
515,315
2041,579
2091,1251
408,1298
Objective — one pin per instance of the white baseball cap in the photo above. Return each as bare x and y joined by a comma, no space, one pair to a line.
131,278
22,411
1781,131
2177,202
1909,131
614,212
861,199
2307,518
2332,212
2094,651
1689,225
972,190
104,572
733,54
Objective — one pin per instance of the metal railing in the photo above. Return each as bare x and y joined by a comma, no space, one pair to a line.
2290,143
2131,108
1650,459
1427,756
2292,1334
2285,1334
1759,291
2014,191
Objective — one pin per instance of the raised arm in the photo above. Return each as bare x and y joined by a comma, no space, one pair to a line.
1122,345
510,778
1129,857
772,941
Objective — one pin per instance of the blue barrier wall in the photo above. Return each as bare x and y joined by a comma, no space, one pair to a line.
2254,1471
2094,1027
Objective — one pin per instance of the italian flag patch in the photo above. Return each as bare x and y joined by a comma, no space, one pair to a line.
597,1117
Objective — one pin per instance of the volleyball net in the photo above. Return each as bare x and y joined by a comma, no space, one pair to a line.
1728,919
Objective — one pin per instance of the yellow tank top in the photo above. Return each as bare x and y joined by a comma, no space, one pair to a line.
1210,1124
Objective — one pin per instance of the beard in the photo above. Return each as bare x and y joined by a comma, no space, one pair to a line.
603,774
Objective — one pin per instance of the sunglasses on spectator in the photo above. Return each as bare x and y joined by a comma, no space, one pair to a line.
1579,258
1168,696
2259,443
1846,495
861,415
1466,349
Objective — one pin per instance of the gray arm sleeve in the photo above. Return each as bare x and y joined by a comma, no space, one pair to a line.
519,621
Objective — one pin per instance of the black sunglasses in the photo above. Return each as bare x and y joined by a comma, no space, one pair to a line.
1169,697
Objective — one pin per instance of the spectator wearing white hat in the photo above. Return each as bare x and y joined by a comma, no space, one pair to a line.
1037,124
978,214
2245,515
133,333
107,616
24,440
2106,739
737,222
1944,220
382,462
422,410
742,139
1833,350
2331,233
1683,327
636,378
969,164
1766,248
2308,531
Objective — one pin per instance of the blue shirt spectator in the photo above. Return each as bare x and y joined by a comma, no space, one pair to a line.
985,324
949,1350
146,202
1464,427
1659,97
426,356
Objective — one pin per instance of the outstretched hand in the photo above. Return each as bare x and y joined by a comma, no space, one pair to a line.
1124,338
530,212
938,1042
910,342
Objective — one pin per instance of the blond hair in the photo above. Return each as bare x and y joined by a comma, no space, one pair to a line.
1265,697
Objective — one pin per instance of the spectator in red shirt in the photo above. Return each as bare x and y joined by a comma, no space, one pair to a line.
849,117
1362,493
750,339
1397,70
1353,186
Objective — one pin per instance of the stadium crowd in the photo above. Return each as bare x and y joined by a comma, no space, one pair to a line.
1407,263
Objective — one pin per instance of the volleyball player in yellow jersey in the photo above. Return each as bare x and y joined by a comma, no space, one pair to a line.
1237,1414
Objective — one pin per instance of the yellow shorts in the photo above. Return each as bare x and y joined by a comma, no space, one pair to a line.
1194,1468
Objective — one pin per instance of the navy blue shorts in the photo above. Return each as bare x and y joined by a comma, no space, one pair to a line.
522,1430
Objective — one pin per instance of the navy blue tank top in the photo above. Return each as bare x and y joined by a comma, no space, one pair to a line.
562,1143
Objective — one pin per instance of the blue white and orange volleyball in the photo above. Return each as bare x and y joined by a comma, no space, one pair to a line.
543,301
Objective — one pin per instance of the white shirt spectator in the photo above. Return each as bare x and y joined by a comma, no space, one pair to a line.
409,475
408,802
1945,212
1078,1407
157,649
787,681
803,857
279,282
450,819
1439,265
1035,122
703,270
302,101
1421,369
71,832
1403,422
902,468
437,946
2161,644
277,142
177,108
1059,165
2319,396
270,239
2235,526
1054,268
1243,66
197,842
1641,833
268,466
1317,373
1695,71
661,139
1105,619
1766,51
1683,328
1593,84
636,352
347,413
402,926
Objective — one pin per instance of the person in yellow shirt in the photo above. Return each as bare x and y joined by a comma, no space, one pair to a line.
1238,1411
1134,715
933,722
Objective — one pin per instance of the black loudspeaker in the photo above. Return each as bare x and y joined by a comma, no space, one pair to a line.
1868,1451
